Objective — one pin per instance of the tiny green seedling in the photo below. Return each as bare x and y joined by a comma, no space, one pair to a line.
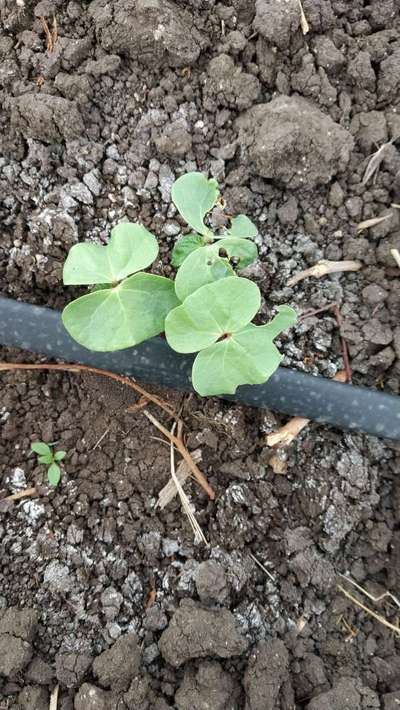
50,458
208,309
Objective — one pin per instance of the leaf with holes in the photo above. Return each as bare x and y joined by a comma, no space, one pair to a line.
123,316
186,246
194,196
243,250
242,227
201,267
131,249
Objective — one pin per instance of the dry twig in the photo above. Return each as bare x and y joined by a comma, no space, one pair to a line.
375,162
305,27
396,256
325,267
372,597
367,223
54,698
287,433
25,493
261,566
177,440
183,472
187,508
369,611
51,37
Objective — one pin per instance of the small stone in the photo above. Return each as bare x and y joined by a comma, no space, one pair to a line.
89,697
377,332
327,55
80,192
354,206
39,672
175,141
195,632
111,601
336,195
288,212
266,672
384,359
33,698
211,582
171,228
57,577
71,668
117,666
343,696
92,181
374,294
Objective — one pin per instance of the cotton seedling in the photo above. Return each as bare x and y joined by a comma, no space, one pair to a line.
208,309
50,458
215,321
126,305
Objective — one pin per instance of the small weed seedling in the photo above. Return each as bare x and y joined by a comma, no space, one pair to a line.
208,309
50,459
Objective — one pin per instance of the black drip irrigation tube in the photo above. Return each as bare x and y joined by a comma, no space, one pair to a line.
41,331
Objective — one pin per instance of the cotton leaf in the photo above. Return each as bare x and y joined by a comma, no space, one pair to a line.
39,447
60,455
184,247
201,267
244,250
243,227
46,459
246,357
131,249
54,474
123,316
214,310
194,196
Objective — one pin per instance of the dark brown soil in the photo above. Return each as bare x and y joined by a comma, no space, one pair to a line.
99,591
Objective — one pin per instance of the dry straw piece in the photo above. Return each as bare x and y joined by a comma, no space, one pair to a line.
324,267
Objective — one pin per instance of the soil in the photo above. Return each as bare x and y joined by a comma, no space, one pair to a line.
100,592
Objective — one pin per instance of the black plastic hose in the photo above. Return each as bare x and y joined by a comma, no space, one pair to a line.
41,331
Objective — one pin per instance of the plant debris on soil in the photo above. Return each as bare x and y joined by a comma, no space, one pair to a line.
106,599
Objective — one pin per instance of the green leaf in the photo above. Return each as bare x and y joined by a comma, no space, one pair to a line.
242,249
54,474
123,316
194,196
100,287
131,249
201,267
46,458
211,312
247,357
39,447
241,226
60,455
184,247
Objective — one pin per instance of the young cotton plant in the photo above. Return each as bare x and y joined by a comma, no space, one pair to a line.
50,458
208,309
205,256
216,320
126,306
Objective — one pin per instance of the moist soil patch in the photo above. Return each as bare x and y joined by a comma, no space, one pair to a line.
101,593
